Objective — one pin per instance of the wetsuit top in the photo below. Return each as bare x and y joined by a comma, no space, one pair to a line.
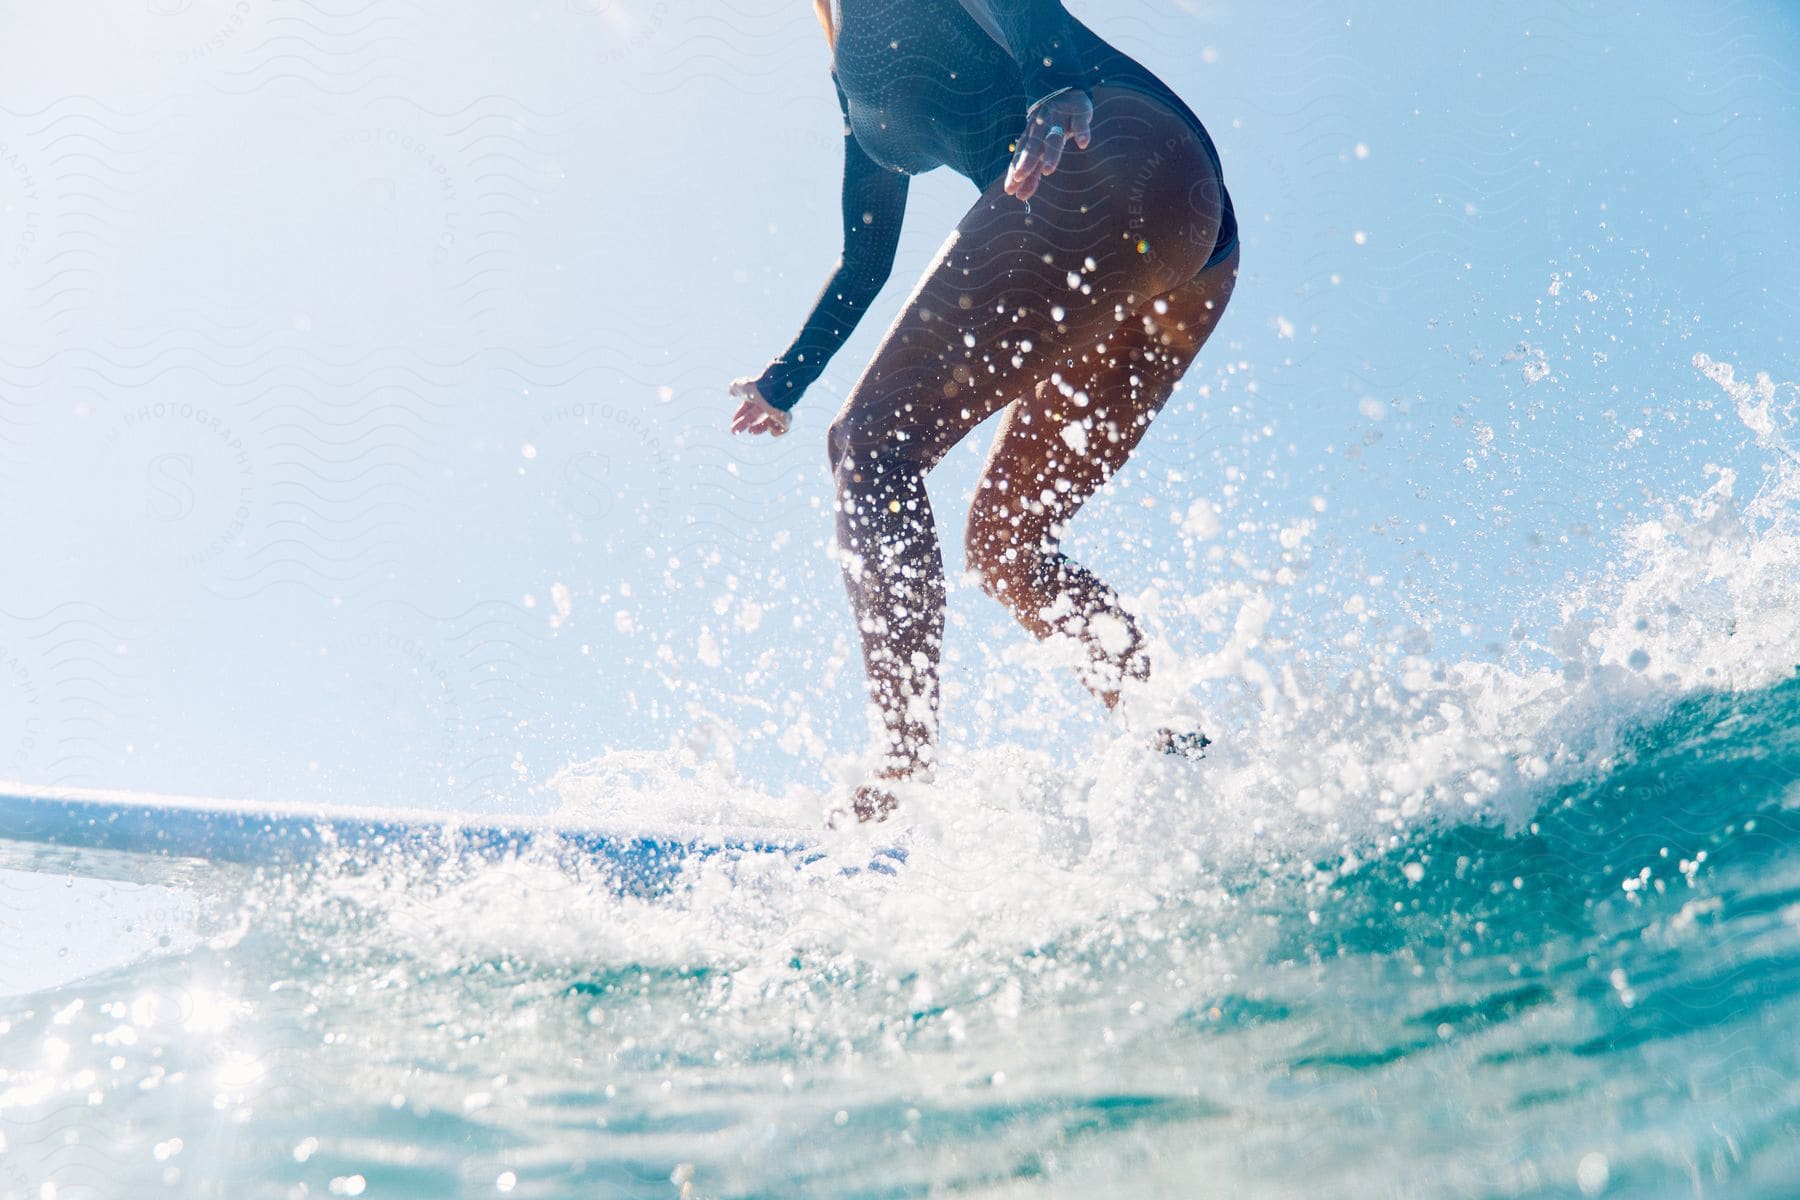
928,83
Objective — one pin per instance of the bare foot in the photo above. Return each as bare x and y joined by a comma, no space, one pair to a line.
1190,745
873,801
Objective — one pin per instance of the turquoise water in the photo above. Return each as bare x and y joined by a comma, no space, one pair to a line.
1598,1001
1525,925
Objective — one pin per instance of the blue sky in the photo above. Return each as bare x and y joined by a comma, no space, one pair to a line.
362,409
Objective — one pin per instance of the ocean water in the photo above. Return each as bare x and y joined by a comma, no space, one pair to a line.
1430,929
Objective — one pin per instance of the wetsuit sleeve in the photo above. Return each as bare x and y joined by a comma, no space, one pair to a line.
874,203
1040,36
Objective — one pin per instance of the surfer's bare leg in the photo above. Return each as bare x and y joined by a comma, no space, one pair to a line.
1058,446
1015,293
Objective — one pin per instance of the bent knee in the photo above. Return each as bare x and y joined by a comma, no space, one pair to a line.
851,448
1001,548
981,554
859,452
837,441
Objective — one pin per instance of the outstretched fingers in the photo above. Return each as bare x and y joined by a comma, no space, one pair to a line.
754,414
1049,128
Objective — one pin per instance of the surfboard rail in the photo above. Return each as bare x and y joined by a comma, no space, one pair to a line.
51,824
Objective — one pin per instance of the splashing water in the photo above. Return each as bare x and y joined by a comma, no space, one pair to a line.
1502,929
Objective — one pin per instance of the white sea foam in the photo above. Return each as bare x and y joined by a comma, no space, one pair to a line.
1013,848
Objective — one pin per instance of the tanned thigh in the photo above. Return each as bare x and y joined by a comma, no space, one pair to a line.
1019,289
1075,430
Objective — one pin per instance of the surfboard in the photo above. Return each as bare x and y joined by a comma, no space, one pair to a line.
148,838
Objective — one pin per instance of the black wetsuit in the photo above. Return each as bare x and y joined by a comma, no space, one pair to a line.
924,84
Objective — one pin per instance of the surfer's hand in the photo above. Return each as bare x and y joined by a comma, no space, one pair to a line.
754,414
1050,126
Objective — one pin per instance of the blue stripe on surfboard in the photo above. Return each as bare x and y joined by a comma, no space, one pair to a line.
638,861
